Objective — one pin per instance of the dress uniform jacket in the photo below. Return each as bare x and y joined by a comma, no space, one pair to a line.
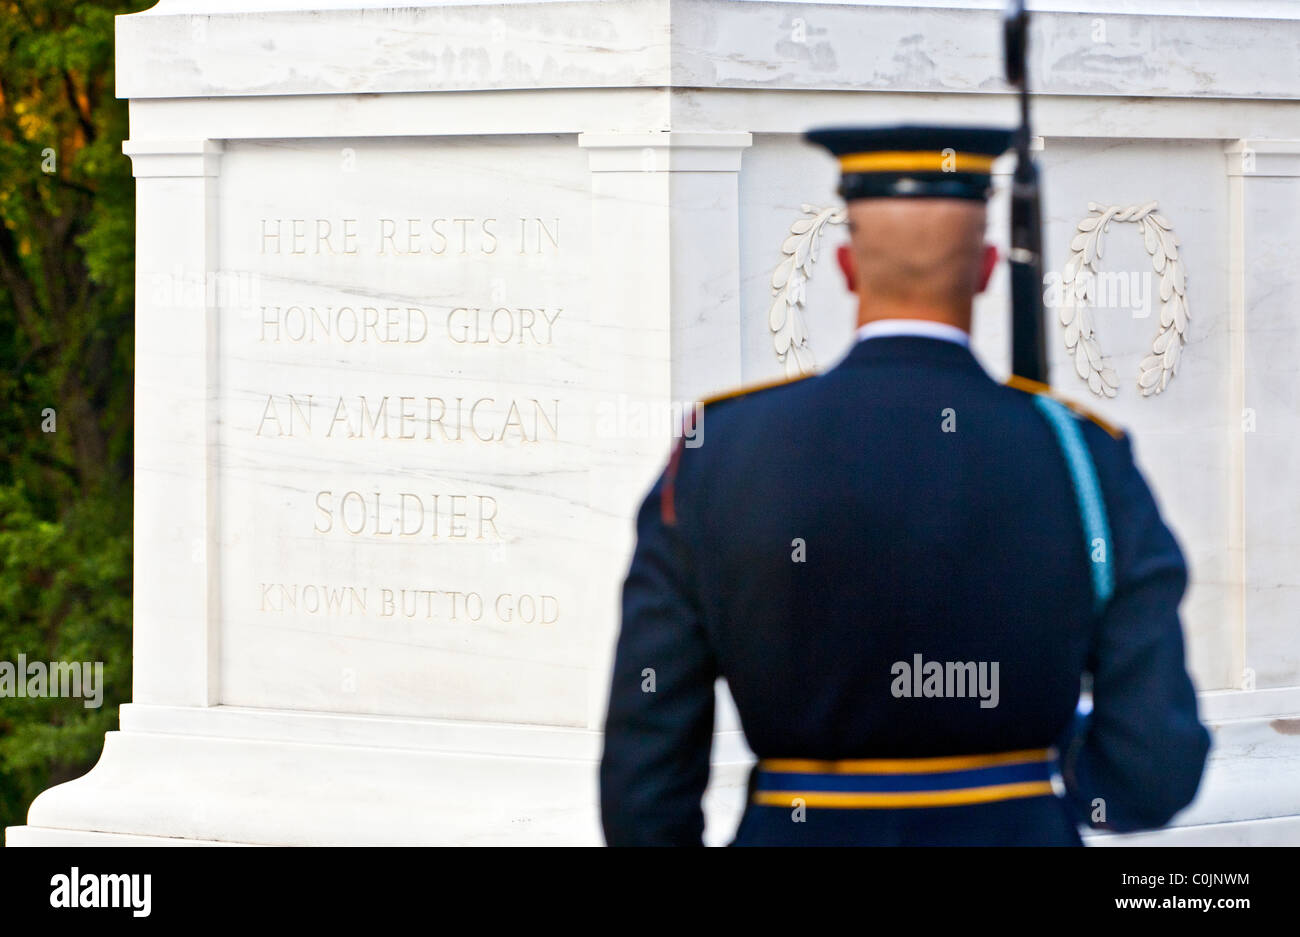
901,508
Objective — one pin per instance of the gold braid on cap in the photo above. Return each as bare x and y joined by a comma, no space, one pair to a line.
915,161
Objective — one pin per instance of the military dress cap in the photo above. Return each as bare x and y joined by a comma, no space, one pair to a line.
914,161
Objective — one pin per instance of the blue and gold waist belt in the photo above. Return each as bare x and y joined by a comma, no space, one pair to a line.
904,782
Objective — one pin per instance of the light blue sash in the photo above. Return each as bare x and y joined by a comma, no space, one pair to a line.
1087,491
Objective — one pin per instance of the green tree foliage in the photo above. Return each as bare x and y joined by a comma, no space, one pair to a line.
66,343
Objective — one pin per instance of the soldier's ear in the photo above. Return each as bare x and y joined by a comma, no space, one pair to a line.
844,257
991,259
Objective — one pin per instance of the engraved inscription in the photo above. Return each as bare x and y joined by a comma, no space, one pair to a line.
434,419
501,326
434,605
407,236
398,502
407,514
407,325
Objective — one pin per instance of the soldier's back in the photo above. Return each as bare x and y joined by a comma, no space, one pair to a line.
892,565
903,570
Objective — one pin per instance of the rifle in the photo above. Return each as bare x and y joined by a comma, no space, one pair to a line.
1028,347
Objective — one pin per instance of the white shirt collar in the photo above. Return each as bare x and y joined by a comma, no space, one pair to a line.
918,327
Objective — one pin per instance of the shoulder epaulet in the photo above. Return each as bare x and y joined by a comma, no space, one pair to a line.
1017,382
752,389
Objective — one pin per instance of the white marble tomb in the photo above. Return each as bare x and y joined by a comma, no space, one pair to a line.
419,286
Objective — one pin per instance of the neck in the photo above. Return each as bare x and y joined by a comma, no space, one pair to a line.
875,310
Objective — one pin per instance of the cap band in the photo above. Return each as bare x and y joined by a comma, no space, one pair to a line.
967,185
915,161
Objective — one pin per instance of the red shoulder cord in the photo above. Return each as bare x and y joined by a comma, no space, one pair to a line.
667,503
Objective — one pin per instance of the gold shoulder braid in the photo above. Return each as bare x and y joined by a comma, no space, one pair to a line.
753,388
1034,387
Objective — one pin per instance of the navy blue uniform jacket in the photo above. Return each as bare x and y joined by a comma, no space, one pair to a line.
957,545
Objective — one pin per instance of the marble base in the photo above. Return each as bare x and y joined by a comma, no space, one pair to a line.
230,775
48,836
259,777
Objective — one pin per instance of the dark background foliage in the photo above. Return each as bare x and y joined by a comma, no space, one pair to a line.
67,237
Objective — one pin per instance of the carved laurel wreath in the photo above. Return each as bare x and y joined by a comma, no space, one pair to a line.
1080,286
785,317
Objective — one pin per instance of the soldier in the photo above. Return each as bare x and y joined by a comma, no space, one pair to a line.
904,569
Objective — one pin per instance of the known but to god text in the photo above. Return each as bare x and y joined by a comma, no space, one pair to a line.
506,608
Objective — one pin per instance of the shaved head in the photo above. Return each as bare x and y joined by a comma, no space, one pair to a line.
921,258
